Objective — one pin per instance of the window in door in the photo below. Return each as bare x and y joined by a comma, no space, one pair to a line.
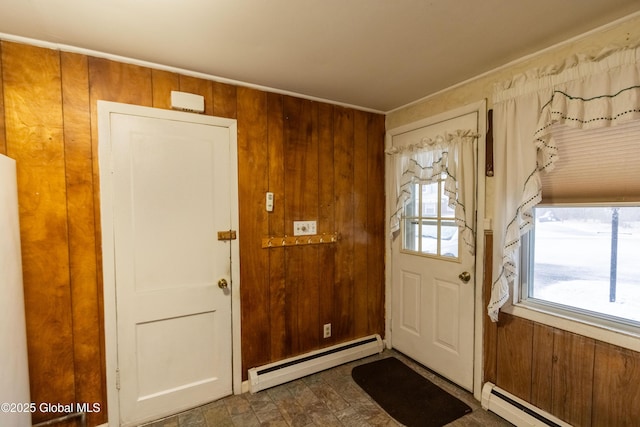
429,223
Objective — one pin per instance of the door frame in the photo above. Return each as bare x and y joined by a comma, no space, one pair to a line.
105,109
481,108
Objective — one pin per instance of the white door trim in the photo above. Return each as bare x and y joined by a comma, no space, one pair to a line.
481,108
105,109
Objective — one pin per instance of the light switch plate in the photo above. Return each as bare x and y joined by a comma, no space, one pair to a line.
304,228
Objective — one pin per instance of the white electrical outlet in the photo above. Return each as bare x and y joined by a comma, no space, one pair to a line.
327,330
304,228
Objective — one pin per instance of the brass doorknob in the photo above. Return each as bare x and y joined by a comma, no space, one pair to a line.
464,276
222,284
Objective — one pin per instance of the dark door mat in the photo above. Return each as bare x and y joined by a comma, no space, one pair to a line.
406,395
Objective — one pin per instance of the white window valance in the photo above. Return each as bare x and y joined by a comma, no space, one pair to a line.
451,155
584,92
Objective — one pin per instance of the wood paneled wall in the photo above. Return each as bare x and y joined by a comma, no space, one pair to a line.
323,162
580,380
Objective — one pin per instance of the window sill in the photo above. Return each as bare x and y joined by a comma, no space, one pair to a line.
608,334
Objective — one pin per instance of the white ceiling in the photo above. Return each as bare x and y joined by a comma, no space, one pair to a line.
372,54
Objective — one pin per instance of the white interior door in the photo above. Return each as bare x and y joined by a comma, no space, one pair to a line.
171,184
433,275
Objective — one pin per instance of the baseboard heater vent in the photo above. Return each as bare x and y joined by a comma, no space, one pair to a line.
516,410
277,373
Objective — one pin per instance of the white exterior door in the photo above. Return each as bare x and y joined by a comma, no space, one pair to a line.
433,275
171,192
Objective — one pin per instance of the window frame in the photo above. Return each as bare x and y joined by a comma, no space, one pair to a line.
600,326
438,219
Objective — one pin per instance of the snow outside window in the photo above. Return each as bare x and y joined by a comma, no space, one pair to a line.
583,259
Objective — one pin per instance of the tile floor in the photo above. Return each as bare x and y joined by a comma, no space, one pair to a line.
329,398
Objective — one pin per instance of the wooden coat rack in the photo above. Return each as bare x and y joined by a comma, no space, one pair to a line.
315,239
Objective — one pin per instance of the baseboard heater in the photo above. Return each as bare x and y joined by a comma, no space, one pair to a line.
277,373
516,410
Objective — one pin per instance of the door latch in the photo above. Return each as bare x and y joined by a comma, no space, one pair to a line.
227,235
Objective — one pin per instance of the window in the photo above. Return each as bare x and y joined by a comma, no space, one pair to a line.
429,223
584,259
581,257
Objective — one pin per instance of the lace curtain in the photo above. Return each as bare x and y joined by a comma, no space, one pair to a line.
584,92
451,155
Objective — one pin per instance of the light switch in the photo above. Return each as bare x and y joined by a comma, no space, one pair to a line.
269,202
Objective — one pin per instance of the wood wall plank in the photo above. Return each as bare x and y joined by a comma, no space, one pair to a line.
308,328
490,333
224,100
572,383
118,82
360,217
33,125
616,389
542,367
163,82
343,157
280,339
294,152
88,330
301,200
326,217
252,183
3,141
375,224
514,355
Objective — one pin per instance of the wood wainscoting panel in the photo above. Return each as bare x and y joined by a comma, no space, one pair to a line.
490,332
375,225
254,261
88,327
326,217
616,386
118,82
280,339
224,100
343,157
542,367
514,356
301,203
572,382
162,83
34,138
360,216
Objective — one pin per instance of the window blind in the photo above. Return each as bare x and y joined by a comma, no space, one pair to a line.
595,165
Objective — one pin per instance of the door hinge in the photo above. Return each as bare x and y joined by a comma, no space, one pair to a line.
117,379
